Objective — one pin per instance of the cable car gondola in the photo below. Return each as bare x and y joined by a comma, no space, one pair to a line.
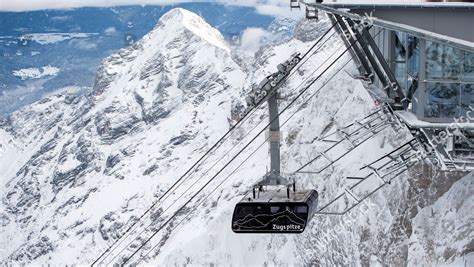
294,4
271,207
274,210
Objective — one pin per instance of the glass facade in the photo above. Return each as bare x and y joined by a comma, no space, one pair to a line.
448,73
406,57
439,78
442,62
429,75
468,67
442,100
467,98
413,57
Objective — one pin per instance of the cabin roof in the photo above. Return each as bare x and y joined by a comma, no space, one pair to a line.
277,194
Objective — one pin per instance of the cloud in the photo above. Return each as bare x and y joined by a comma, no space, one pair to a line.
84,45
110,31
265,7
280,8
61,18
28,5
252,39
281,11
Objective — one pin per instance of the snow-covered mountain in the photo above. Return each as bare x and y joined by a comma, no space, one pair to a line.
44,51
77,171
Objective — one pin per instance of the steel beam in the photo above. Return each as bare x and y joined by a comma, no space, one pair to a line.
420,33
345,32
383,63
274,131
368,54
362,65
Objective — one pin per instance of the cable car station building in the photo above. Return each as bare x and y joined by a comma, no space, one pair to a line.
418,59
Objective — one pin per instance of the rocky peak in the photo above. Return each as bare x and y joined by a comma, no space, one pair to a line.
178,18
183,59
180,40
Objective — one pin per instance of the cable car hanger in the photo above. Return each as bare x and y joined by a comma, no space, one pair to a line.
270,207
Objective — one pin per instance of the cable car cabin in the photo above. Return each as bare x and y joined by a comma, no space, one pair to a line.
311,13
272,211
294,4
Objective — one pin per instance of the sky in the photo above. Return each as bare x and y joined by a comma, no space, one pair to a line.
265,7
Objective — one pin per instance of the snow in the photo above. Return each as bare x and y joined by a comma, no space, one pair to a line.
10,150
87,165
36,73
67,90
413,121
442,229
198,26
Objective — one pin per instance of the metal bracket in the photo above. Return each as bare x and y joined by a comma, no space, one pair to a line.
355,134
385,169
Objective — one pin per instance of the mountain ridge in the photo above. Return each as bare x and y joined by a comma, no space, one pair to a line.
84,168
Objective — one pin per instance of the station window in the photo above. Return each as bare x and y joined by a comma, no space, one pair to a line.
468,67
413,63
400,46
301,209
442,62
467,98
442,100
449,73
413,56
447,81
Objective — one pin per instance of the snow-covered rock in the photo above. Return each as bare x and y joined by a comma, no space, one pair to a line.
442,232
84,168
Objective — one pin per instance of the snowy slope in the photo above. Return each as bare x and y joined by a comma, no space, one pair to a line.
147,100
443,231
88,166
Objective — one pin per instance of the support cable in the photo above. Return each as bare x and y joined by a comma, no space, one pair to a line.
228,163
232,173
299,170
215,163
205,155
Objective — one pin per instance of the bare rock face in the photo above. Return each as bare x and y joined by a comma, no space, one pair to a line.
86,157
38,248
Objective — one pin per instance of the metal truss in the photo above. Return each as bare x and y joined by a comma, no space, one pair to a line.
351,136
382,170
